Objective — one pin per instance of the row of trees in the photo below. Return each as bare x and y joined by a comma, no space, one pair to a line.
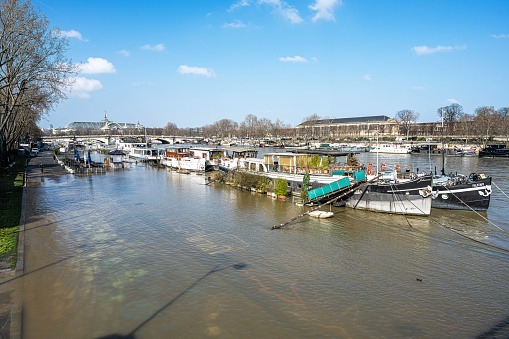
485,123
251,127
481,126
34,71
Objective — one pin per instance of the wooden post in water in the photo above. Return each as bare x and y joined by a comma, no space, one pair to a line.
328,202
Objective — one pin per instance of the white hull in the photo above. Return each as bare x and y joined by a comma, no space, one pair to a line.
321,214
382,202
190,164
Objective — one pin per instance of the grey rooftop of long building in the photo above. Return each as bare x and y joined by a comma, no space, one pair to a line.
367,119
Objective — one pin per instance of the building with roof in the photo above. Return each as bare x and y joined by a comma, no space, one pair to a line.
350,127
104,124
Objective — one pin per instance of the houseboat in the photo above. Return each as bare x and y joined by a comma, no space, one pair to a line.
146,153
182,158
410,195
236,157
460,192
212,155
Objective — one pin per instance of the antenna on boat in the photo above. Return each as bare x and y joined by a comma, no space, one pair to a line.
443,148
377,147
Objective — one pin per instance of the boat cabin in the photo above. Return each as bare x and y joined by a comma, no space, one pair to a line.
207,153
240,153
178,152
297,163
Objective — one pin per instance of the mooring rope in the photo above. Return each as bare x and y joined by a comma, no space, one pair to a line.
451,229
499,189
402,204
464,203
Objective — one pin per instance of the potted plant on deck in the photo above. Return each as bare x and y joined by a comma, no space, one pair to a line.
281,188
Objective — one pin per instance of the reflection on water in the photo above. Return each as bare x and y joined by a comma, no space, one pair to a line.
156,254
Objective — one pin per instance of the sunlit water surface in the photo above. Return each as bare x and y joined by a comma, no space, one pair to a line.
157,254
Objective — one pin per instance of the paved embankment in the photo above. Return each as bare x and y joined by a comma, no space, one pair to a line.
50,168
10,292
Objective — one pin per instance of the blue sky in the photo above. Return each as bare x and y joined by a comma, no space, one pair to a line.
195,62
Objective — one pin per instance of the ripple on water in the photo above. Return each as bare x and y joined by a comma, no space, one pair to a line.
147,238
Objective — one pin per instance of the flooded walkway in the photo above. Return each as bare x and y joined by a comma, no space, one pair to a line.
151,253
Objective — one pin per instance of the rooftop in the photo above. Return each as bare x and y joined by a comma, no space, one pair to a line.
373,118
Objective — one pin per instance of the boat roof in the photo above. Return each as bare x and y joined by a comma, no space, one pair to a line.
288,154
322,152
206,149
240,149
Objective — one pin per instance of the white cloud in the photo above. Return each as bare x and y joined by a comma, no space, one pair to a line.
124,52
97,66
184,69
279,7
83,86
284,9
239,4
452,101
235,24
291,14
209,14
158,47
367,77
314,59
417,88
500,36
72,34
294,59
324,9
423,50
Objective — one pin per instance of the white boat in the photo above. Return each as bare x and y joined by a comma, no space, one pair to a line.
183,158
145,153
391,148
321,214
210,154
236,157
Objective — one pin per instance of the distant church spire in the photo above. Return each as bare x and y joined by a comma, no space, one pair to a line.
105,115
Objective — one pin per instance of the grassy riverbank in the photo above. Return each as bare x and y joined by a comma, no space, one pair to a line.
11,188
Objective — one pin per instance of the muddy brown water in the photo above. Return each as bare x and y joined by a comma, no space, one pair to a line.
156,254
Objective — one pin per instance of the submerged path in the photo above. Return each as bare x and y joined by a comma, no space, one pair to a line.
50,169
10,293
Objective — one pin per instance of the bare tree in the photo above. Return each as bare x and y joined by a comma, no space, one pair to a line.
503,122
171,129
34,72
310,123
451,114
249,125
465,126
263,128
311,117
485,122
226,128
406,118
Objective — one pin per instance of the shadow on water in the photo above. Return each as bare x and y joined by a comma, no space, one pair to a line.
499,330
131,335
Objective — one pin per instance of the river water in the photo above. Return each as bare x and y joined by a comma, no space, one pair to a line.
155,254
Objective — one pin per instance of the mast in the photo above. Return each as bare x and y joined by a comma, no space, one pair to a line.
377,147
443,148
